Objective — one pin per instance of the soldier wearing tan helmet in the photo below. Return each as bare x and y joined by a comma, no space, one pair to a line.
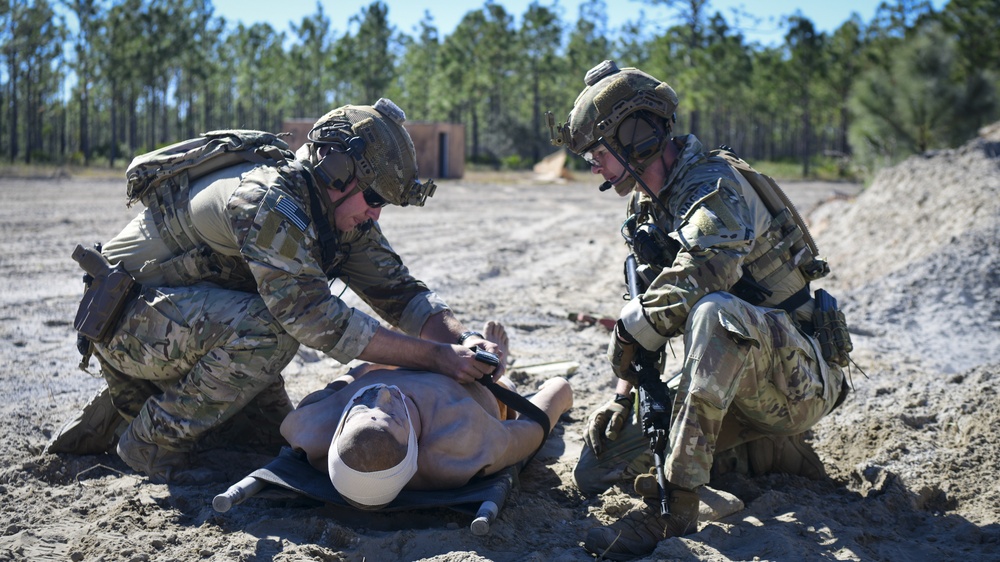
715,265
235,269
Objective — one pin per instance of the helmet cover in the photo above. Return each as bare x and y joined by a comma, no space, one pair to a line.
603,110
383,155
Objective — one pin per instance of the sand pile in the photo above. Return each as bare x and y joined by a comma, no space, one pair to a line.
917,259
918,253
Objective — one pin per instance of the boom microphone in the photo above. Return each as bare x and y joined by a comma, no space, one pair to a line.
606,186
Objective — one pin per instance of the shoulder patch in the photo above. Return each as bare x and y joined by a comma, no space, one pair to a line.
292,212
695,197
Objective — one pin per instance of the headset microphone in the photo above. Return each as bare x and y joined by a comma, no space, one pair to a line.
631,170
605,186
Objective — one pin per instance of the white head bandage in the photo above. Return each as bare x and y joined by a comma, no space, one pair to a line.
371,488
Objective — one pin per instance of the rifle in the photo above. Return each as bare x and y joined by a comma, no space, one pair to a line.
655,399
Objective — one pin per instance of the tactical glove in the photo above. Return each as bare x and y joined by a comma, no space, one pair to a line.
608,420
621,350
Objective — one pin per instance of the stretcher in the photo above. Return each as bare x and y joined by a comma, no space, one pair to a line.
291,474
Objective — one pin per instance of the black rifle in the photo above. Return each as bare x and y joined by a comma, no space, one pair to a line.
655,399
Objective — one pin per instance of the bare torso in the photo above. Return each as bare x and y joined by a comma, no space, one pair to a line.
459,430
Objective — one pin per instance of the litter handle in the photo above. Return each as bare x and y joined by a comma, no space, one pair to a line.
484,517
237,494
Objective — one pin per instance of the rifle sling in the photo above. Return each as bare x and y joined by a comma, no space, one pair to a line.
523,406
327,237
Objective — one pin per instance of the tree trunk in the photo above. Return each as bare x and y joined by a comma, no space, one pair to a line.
29,103
164,119
13,105
113,153
806,134
133,121
695,122
84,125
536,117
475,130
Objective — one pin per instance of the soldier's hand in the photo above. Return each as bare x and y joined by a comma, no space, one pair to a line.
461,364
475,342
621,350
607,421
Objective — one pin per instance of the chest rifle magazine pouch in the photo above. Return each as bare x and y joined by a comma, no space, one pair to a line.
105,296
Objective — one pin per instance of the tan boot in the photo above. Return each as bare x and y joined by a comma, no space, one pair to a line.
786,454
638,532
92,431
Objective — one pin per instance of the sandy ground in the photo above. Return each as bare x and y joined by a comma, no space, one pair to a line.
913,455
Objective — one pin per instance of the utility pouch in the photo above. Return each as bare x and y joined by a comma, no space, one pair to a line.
109,290
831,330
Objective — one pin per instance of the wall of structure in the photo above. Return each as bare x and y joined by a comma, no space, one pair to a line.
440,146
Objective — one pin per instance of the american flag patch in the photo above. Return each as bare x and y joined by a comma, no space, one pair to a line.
292,212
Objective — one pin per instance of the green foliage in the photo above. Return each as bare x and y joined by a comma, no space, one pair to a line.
130,75
420,90
974,24
912,103
824,168
515,162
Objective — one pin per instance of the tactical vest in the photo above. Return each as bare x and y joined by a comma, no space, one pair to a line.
784,258
785,253
161,181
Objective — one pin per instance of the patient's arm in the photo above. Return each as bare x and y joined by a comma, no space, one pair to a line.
342,381
555,398
310,426
335,386
452,454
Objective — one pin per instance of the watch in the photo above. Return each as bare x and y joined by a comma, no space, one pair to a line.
624,397
467,335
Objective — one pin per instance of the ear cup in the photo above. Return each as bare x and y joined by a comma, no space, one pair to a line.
355,146
337,168
640,137
343,150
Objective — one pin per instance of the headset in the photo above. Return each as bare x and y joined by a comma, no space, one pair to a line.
641,136
337,167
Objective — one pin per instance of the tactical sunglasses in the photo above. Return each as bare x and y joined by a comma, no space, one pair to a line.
590,156
373,199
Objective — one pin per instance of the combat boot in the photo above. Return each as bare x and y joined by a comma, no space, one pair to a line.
638,532
785,454
92,431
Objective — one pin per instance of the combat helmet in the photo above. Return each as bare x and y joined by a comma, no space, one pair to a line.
368,142
625,109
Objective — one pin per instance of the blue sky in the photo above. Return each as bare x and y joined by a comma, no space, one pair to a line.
826,15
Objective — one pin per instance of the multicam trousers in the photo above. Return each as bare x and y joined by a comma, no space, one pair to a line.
748,372
184,360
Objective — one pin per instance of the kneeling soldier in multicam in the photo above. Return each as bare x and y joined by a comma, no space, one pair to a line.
722,265
234,270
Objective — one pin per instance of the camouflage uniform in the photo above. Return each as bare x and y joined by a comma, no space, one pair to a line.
233,280
749,370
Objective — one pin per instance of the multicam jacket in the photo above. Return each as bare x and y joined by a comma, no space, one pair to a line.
251,228
717,224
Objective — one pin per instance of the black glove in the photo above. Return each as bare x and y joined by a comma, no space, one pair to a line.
621,350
